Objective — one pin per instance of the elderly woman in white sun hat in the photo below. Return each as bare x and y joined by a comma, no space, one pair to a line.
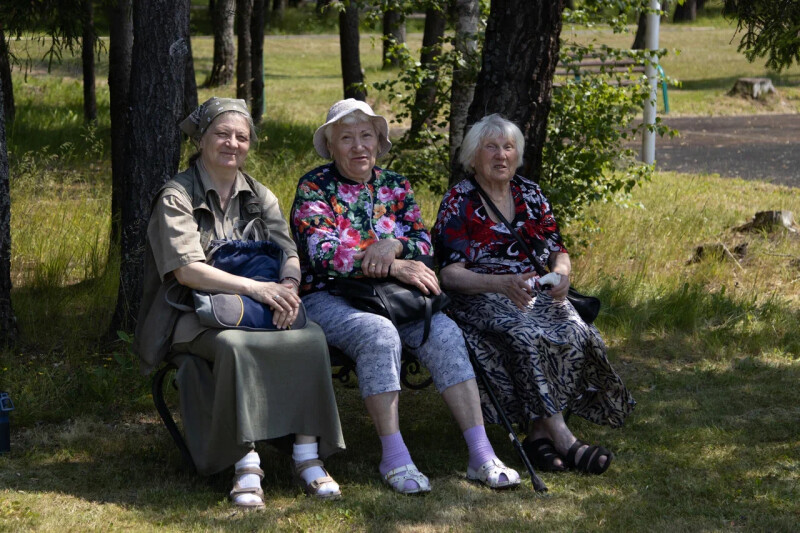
352,218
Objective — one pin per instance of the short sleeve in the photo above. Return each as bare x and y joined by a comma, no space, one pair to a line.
173,233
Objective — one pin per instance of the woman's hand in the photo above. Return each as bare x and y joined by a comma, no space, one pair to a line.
559,292
378,257
417,274
281,298
516,287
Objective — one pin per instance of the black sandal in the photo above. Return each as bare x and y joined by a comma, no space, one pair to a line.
590,459
543,455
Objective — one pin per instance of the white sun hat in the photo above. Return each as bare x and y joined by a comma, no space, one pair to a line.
343,108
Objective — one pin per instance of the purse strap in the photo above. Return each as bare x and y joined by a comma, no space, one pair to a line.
486,200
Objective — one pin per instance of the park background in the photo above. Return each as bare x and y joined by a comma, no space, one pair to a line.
708,345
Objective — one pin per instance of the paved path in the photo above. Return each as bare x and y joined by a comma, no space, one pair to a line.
758,147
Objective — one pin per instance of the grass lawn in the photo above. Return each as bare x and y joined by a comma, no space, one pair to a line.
709,349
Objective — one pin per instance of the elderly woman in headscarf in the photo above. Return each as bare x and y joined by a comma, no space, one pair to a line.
252,385
539,355
354,219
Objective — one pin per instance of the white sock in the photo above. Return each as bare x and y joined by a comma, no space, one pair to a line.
307,452
248,481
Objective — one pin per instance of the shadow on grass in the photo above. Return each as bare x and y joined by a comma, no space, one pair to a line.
714,434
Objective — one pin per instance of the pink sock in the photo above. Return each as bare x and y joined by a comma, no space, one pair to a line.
480,449
395,454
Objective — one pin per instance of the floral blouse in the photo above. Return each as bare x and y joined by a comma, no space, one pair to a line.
464,233
333,218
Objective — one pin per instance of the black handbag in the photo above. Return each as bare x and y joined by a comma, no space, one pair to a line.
588,307
399,302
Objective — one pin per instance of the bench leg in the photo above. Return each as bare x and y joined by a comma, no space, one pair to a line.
166,415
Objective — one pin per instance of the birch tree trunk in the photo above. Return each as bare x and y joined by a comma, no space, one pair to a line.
467,18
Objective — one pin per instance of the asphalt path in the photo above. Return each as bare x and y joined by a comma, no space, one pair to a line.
753,147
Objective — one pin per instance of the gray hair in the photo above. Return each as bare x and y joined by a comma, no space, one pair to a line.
490,126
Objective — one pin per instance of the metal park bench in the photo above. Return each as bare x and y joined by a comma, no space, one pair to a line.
620,72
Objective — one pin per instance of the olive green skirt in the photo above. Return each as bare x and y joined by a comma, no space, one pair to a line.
259,386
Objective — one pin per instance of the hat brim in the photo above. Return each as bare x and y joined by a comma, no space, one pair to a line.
379,123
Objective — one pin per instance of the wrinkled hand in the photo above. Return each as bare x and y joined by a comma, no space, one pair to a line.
559,292
516,287
378,257
416,274
281,298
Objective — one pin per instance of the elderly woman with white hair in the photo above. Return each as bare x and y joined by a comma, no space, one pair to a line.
539,355
354,219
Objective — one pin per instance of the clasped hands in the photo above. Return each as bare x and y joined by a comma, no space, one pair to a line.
282,298
379,260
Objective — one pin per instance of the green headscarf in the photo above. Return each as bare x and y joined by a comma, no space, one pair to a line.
196,124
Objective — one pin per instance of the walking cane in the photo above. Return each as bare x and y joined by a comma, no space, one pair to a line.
538,484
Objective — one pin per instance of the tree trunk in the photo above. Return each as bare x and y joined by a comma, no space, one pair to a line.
244,62
278,10
8,323
119,75
352,76
156,93
87,57
190,102
701,4
394,33
520,55
641,32
257,56
685,12
425,98
5,79
467,17
224,50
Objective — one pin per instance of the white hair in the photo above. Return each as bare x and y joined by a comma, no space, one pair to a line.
490,126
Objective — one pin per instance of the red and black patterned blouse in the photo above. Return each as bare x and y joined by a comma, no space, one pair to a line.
464,233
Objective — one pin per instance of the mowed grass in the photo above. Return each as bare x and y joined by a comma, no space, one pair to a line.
710,350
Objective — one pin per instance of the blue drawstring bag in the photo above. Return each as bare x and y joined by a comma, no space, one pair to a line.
258,260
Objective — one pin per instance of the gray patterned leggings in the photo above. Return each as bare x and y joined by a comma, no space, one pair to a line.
375,344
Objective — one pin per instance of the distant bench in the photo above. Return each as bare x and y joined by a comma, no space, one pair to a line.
594,65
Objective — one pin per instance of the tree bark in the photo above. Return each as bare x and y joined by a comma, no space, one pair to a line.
685,12
87,57
119,74
394,33
5,79
425,98
244,62
520,55
222,68
190,102
257,56
641,32
8,323
352,76
467,18
158,69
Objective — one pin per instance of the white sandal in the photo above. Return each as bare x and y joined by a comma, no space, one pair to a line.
397,479
489,474
239,490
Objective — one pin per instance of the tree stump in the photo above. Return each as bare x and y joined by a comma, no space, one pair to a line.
755,88
770,221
